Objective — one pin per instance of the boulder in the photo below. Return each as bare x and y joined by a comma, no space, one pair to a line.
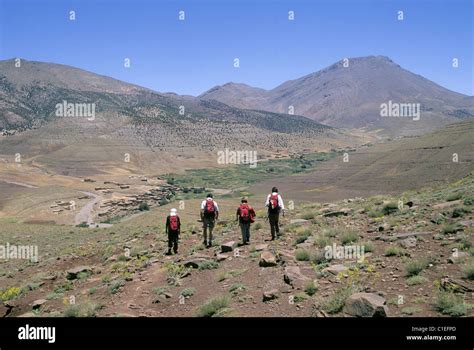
458,257
228,247
260,247
267,259
38,303
194,262
270,295
299,222
336,269
221,257
294,277
72,273
409,242
366,305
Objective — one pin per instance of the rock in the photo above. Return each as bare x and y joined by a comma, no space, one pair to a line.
72,273
384,227
27,314
228,247
466,223
409,242
194,262
304,245
366,305
458,257
336,269
270,295
260,247
38,303
5,310
456,285
410,234
294,277
267,259
336,213
447,204
221,257
299,222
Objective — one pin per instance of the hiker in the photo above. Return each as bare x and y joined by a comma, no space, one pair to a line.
245,216
173,229
209,215
274,204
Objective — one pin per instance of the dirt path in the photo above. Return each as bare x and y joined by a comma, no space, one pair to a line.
85,214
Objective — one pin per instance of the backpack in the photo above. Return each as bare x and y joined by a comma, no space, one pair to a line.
244,212
174,223
273,203
209,208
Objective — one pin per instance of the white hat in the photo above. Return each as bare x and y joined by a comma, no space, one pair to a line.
173,211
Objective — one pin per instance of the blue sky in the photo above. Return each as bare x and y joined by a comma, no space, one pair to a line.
191,56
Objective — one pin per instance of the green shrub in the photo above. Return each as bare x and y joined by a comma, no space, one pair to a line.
468,271
459,212
349,237
368,247
319,257
303,236
10,293
143,206
300,297
336,302
307,216
188,292
311,288
257,226
415,280
213,307
451,304
116,286
454,196
236,288
469,200
450,228
414,267
410,310
390,208
83,224
302,255
208,265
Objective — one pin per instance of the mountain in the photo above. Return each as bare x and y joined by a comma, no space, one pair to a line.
129,117
351,97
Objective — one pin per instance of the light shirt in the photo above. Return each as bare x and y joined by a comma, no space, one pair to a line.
280,201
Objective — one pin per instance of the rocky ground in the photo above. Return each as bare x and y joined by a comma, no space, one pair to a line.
417,261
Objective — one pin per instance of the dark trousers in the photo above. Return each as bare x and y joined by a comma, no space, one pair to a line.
245,230
173,240
274,228
207,224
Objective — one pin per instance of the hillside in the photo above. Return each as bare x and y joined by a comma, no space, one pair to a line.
408,254
406,164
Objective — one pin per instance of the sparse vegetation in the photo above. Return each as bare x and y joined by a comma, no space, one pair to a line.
214,307
208,265
468,271
390,208
116,286
302,255
450,304
311,288
349,237
415,280
393,251
188,292
415,267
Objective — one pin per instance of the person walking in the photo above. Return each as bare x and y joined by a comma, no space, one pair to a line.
245,216
173,229
209,216
275,205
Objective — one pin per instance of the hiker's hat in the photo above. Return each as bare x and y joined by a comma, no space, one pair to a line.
173,211
244,200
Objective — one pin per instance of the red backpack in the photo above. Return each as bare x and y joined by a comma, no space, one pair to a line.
273,203
244,212
209,208
174,223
